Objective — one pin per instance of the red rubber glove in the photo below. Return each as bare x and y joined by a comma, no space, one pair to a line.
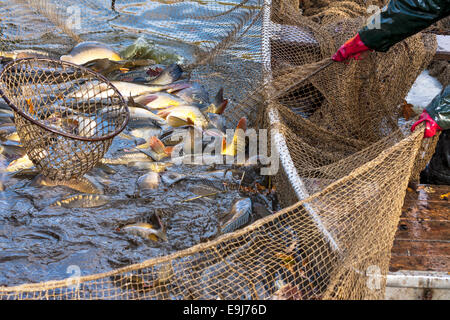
351,49
431,127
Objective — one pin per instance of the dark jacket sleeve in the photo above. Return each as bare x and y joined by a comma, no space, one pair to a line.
439,109
401,19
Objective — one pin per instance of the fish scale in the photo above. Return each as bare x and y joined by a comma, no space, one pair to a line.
242,213
82,201
82,184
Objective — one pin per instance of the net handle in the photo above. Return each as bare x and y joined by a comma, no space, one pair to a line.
65,134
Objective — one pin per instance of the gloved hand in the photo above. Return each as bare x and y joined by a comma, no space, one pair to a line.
431,127
351,49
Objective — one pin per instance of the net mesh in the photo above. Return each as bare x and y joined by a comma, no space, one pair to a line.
345,161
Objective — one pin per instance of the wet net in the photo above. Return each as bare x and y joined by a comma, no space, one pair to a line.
346,154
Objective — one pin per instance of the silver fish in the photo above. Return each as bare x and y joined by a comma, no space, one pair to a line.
90,50
82,201
152,166
12,151
148,181
169,75
171,178
84,184
146,230
241,214
127,157
195,93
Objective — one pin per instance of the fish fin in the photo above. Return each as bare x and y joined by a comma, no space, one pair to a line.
154,71
221,108
175,87
219,104
176,122
168,150
174,72
147,99
219,97
225,150
164,113
169,75
157,145
189,121
242,124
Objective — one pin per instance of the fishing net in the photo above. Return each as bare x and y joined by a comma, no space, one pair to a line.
63,125
345,153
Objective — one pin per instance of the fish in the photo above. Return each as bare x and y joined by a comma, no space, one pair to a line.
13,137
169,75
82,201
216,121
159,148
83,126
171,178
148,181
88,51
216,174
84,184
12,150
26,53
26,173
152,166
237,144
106,67
96,90
126,157
219,104
140,111
195,94
105,168
20,164
184,115
160,100
172,137
153,230
146,132
241,214
6,118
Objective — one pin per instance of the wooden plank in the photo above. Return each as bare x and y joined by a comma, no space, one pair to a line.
419,263
423,230
422,240
425,210
410,248
428,193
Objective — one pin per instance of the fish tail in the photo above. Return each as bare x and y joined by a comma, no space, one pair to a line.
219,102
242,124
157,145
168,150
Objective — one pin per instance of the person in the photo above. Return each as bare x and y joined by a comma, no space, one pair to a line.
397,21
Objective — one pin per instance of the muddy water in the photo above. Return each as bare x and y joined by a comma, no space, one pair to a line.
39,242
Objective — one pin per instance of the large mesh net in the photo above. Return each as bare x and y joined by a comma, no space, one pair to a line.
346,156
